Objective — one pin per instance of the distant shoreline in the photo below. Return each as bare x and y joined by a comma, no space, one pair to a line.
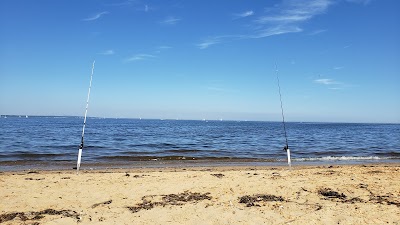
206,120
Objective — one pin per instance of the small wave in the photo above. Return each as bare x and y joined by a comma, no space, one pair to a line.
184,158
182,150
342,158
152,158
152,145
389,154
59,146
33,155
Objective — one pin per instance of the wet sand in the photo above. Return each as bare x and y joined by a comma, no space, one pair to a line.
345,194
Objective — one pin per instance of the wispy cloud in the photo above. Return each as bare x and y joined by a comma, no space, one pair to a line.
137,5
293,12
338,67
335,88
154,53
244,14
139,57
170,20
124,3
159,49
271,31
108,52
316,32
284,18
208,42
96,16
261,33
332,84
364,2
325,81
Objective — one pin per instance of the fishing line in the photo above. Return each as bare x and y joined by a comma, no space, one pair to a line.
78,163
286,148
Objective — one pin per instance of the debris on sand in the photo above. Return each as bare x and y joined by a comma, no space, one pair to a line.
32,172
219,175
251,200
171,199
377,199
24,216
102,203
381,199
329,193
30,178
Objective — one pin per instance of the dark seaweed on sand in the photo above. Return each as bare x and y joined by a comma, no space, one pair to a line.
251,200
219,175
329,193
102,203
24,216
171,199
332,195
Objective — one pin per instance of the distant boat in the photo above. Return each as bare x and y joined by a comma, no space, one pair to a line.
26,116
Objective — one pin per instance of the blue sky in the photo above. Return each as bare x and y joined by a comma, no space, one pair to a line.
338,61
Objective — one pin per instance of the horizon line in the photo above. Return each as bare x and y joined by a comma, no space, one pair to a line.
186,119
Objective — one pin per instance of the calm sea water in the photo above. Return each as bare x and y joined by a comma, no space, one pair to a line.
53,141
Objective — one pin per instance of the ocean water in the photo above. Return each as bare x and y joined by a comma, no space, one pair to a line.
53,142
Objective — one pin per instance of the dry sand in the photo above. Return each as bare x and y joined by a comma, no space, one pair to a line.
240,195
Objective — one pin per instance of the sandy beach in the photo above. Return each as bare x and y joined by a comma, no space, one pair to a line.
346,194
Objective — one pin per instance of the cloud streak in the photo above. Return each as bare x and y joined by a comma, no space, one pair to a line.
271,31
148,56
96,16
331,84
139,57
292,13
108,52
364,2
284,18
170,20
244,14
316,32
209,42
325,81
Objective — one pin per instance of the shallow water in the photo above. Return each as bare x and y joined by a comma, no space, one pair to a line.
55,140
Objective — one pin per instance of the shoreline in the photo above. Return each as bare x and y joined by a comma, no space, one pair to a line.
329,194
200,167
157,164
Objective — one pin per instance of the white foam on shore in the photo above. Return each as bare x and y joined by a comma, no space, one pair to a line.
341,158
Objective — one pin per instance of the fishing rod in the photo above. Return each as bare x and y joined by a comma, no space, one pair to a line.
78,163
286,148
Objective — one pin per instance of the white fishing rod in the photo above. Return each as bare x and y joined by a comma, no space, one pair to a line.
78,163
283,119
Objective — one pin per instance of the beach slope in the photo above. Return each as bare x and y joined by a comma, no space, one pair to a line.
350,194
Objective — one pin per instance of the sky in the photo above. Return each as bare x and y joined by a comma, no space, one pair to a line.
337,60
